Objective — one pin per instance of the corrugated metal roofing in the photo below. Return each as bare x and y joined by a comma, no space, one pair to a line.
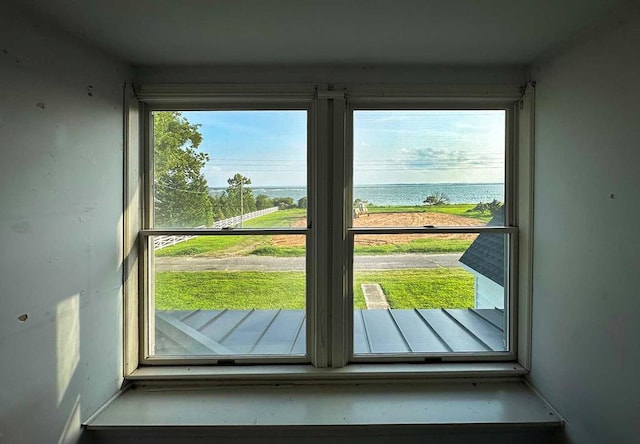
282,332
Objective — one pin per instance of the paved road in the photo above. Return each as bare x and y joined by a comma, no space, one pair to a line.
267,263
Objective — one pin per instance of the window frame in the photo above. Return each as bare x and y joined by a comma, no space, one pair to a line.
509,228
329,342
148,231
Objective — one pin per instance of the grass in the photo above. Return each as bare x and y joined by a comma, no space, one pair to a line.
241,290
209,245
243,245
280,251
429,245
278,219
235,290
431,288
261,245
417,246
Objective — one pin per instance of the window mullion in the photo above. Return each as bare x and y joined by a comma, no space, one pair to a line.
340,312
331,336
320,251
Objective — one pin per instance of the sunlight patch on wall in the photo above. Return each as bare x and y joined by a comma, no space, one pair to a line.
72,429
67,342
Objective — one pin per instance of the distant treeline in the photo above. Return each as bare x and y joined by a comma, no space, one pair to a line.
227,203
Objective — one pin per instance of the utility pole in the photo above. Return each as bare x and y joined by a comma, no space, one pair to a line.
241,203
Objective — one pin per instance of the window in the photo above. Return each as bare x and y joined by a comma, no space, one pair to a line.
227,234
429,239
314,226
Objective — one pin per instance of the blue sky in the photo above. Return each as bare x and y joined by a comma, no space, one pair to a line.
269,147
428,146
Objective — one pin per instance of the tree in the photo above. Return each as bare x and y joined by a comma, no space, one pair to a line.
283,202
437,198
181,195
238,197
494,207
302,202
263,201
217,204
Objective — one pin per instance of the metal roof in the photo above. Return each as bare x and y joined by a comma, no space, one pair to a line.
282,332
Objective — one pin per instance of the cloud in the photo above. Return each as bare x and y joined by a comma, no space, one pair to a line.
438,158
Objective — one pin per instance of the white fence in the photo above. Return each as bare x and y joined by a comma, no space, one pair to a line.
166,241
233,221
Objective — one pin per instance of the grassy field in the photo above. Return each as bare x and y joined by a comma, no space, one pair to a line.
279,219
262,246
271,250
210,245
235,290
428,245
240,245
431,288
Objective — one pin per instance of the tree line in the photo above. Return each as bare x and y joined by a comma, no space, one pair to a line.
181,192
229,202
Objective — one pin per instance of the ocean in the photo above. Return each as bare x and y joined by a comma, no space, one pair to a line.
401,194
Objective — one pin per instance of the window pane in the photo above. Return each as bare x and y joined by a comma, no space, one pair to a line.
416,168
429,293
229,295
227,168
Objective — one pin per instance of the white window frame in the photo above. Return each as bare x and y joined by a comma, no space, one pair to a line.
293,102
510,229
329,301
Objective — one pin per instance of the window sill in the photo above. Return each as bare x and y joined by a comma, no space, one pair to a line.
306,373
412,406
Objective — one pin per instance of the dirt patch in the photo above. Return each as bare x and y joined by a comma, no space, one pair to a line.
415,220
393,220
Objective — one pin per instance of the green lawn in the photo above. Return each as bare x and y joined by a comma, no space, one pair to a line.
430,288
271,250
235,290
428,245
278,219
211,245
240,245
215,290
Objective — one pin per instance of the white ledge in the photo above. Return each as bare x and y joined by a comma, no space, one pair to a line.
490,404
350,373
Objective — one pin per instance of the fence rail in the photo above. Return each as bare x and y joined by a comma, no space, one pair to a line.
161,242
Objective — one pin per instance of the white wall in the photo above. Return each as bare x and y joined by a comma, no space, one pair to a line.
586,302
60,230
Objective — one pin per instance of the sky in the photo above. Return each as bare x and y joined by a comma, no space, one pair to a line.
269,147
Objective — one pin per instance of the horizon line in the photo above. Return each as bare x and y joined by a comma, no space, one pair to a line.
372,184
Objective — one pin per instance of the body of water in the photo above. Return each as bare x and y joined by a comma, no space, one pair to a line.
401,194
